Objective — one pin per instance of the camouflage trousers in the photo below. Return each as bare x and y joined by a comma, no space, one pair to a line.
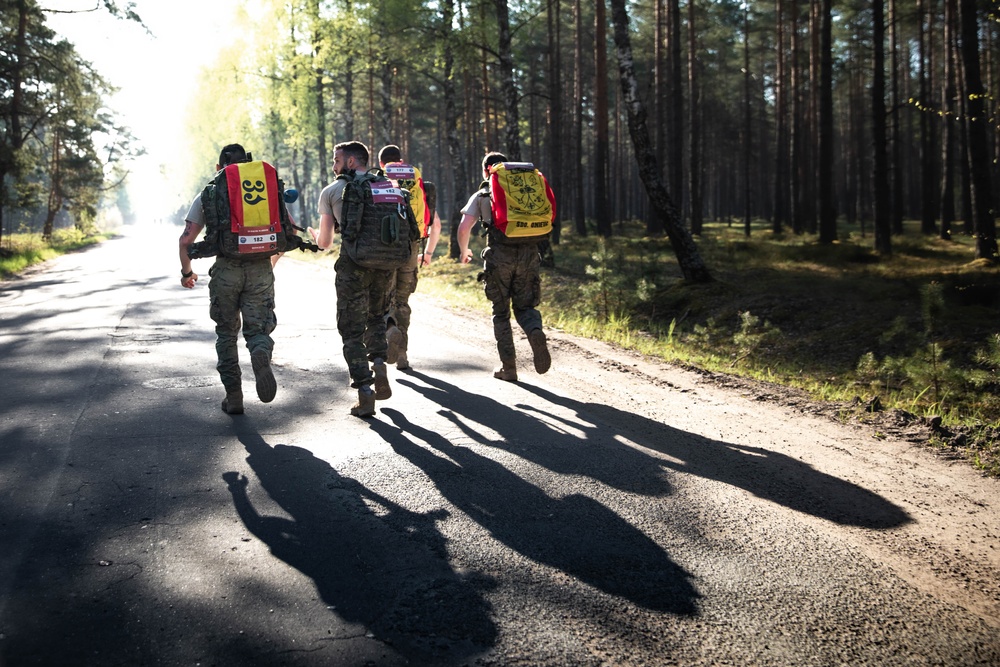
362,304
402,284
242,295
511,277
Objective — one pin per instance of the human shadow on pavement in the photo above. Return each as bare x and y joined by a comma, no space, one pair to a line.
388,572
574,534
764,473
616,464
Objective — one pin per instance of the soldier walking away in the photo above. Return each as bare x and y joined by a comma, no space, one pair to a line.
404,282
377,230
516,208
241,287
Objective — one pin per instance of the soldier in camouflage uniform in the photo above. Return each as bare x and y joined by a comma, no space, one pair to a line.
511,277
362,294
242,294
404,282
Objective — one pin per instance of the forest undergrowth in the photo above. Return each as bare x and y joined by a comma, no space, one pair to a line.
914,337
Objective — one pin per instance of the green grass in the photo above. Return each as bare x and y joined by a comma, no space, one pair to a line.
20,251
913,330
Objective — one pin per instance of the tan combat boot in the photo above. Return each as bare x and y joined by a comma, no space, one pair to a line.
396,354
507,371
396,340
539,350
382,388
366,403
267,387
232,404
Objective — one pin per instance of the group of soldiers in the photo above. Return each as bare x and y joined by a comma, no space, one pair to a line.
373,310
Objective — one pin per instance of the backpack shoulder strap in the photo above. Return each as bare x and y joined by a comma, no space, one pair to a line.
372,175
208,207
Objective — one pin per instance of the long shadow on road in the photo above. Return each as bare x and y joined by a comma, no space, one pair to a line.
615,464
574,534
389,572
764,473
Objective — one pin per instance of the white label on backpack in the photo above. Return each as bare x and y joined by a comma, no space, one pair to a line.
258,238
400,172
387,195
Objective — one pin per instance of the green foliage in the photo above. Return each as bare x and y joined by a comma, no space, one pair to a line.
932,306
61,141
926,376
25,249
751,335
606,289
986,374
882,376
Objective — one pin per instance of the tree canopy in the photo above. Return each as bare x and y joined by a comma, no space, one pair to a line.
805,113
59,142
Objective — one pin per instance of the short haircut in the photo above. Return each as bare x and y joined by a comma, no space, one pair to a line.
389,154
232,154
491,159
354,149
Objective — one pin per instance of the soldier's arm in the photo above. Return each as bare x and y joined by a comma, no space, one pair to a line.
432,239
188,236
464,232
327,226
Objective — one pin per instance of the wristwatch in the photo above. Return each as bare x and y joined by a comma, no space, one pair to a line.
184,276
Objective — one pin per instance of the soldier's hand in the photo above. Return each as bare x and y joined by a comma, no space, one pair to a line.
189,281
466,256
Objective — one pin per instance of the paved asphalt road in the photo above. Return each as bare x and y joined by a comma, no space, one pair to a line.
592,516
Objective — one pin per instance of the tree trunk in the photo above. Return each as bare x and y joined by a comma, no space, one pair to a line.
795,137
319,91
348,90
781,127
810,182
660,77
827,211
16,139
747,128
964,162
385,94
928,127
555,124
692,267
694,106
55,200
460,178
979,157
896,168
676,122
579,211
488,140
948,127
511,118
371,96
601,152
880,168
